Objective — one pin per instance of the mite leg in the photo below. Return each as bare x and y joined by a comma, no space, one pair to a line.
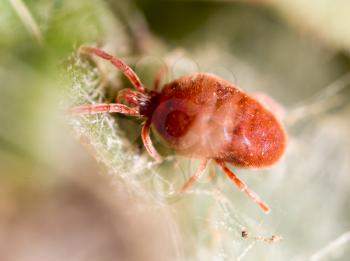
243,187
129,96
103,108
147,142
128,72
212,173
160,74
200,170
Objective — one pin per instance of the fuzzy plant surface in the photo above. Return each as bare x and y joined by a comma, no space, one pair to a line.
136,205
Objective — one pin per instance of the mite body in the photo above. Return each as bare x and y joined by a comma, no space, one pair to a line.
202,116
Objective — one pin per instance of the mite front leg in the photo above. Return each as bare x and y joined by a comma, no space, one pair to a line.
128,72
103,108
147,142
199,172
243,187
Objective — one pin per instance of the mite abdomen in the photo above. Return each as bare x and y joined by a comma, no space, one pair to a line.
201,115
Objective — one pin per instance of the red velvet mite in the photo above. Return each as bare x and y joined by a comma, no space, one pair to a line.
200,116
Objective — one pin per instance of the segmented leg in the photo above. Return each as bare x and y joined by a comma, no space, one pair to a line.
128,72
147,142
243,187
212,173
102,108
200,170
129,96
160,74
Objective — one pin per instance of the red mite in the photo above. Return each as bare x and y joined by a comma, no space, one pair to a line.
200,116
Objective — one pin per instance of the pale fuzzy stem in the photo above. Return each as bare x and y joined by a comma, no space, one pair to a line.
332,246
27,19
128,72
103,108
200,170
147,142
243,187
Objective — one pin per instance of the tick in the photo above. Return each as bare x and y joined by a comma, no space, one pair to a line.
200,116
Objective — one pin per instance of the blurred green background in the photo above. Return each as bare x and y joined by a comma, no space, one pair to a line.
84,189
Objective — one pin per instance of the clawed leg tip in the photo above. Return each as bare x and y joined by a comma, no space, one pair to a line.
266,210
71,112
157,159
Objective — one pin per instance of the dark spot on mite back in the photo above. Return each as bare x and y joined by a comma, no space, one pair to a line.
177,123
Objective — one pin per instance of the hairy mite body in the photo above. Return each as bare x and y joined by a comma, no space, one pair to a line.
201,116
